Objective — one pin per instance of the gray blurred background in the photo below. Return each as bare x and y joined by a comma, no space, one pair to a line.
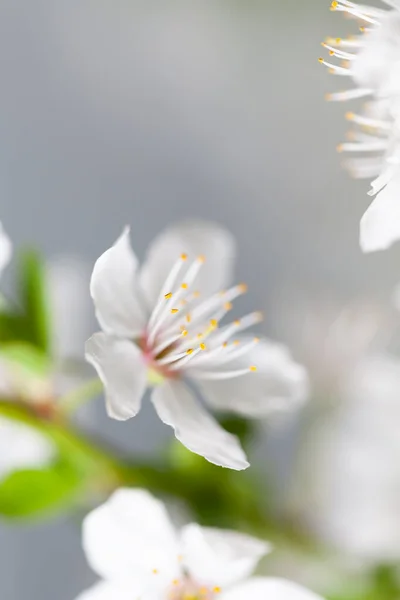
146,112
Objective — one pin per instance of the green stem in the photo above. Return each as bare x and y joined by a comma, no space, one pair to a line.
216,496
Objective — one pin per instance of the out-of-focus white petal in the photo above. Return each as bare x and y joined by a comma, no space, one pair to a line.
120,591
218,557
107,591
279,383
5,248
119,364
114,290
131,539
380,224
193,238
68,281
195,428
21,447
263,588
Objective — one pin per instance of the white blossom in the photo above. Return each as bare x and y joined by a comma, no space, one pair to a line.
161,325
372,61
21,447
132,545
346,488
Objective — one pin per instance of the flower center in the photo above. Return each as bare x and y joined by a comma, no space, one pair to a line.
184,332
186,589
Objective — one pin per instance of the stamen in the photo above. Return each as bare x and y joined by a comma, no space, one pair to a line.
349,94
220,375
168,342
173,358
363,147
334,69
165,290
368,122
189,356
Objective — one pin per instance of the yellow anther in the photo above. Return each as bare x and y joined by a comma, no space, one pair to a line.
225,345
362,29
188,318
328,96
168,296
321,60
253,368
203,591
237,322
216,589
338,40
256,340
175,582
155,571
196,294
349,116
203,346
199,335
174,310
214,323
184,286
331,53
228,306
334,5
189,351
236,342
243,287
184,332
339,148
201,258
183,256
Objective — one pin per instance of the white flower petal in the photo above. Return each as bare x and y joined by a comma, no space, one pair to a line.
218,557
120,366
194,238
380,224
127,590
278,384
263,588
107,591
195,428
130,538
114,290
21,447
5,249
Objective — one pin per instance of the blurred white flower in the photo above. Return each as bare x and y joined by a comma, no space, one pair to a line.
20,446
372,60
131,543
156,330
346,484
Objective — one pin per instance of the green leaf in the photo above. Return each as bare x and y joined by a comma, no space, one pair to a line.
29,492
81,470
31,361
35,308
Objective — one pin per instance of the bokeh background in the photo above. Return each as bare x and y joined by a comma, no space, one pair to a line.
147,112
